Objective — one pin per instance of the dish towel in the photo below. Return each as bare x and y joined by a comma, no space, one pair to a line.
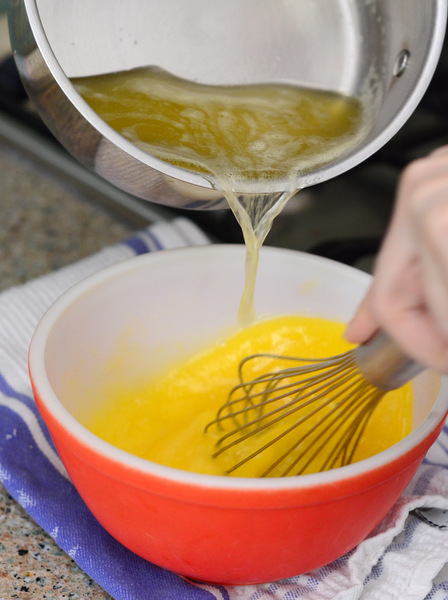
404,558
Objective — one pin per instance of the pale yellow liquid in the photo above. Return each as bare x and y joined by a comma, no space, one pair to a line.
269,133
163,419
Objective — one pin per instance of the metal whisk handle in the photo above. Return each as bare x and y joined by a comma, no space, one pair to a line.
385,365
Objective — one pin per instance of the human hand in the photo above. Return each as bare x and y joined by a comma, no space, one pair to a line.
408,297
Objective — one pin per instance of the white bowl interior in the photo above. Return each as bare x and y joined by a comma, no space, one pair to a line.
158,308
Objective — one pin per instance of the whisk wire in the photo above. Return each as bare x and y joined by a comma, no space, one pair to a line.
270,379
327,429
344,383
346,444
309,433
355,431
331,397
282,409
312,363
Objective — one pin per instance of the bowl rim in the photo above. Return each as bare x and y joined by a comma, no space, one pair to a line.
36,365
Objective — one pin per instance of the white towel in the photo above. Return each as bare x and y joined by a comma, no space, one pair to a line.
404,558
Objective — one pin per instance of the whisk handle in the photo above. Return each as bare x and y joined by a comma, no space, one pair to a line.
385,365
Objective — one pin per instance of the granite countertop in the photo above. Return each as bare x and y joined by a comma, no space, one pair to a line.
45,224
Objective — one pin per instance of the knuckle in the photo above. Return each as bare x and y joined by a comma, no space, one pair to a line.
424,179
429,197
435,223
415,171
381,309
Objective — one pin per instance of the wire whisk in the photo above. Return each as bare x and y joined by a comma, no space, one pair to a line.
299,407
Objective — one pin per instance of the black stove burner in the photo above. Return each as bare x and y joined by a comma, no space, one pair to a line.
14,100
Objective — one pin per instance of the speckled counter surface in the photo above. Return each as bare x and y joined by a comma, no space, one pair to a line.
33,566
44,224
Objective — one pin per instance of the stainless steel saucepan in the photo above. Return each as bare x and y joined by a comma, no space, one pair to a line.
390,46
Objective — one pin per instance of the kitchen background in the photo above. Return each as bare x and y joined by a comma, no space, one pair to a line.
54,212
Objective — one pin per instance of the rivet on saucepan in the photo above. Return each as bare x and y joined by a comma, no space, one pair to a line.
401,63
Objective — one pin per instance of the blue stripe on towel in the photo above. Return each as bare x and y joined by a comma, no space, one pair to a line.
154,239
28,401
53,502
137,245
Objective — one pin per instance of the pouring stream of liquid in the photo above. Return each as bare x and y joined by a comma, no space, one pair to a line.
270,134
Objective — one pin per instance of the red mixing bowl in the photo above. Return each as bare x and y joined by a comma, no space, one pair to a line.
217,529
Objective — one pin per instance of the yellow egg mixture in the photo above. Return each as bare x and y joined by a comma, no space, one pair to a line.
163,420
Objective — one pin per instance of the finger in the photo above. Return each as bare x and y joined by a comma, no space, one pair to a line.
409,294
363,324
443,150
412,266
400,310
433,241
420,173
391,267
416,334
400,307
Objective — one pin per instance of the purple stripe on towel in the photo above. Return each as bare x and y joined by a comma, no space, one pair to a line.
137,245
53,502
